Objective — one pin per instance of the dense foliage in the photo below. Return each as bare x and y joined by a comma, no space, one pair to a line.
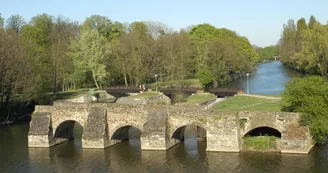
304,46
267,53
50,54
309,96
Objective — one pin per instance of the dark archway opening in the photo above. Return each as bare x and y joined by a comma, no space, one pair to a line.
194,140
128,133
69,130
262,139
189,131
264,131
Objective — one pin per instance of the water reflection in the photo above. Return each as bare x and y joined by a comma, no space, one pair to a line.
187,156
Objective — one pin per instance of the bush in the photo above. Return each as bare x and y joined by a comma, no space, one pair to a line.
205,78
309,96
178,96
260,143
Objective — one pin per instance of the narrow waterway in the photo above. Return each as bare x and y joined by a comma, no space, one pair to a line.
187,156
269,78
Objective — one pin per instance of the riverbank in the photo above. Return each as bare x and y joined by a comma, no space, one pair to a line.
249,103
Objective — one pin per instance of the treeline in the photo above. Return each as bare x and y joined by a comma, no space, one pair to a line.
49,54
304,46
267,53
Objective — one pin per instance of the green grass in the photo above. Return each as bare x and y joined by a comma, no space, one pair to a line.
201,97
187,83
145,94
271,95
70,94
239,103
260,143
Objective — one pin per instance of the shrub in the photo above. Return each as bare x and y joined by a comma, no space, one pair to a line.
178,96
205,78
309,96
260,143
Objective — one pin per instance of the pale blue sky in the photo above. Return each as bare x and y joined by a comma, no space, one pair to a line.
259,20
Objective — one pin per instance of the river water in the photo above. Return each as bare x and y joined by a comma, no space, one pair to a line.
187,156
268,79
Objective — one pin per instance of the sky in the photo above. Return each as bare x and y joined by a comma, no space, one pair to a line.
261,21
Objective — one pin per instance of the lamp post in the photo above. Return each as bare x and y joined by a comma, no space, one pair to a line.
156,81
247,83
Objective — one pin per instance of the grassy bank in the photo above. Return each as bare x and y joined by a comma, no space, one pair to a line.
239,103
260,143
201,97
70,94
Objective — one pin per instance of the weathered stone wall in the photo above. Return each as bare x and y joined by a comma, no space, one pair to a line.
119,115
94,133
250,120
40,133
163,126
221,128
154,135
294,137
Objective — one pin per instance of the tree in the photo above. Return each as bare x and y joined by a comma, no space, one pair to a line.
267,52
200,37
312,22
62,32
301,27
221,52
287,44
173,48
1,21
205,78
15,23
309,96
89,52
36,45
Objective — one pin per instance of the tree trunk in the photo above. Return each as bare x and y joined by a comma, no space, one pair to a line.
125,79
94,79
55,83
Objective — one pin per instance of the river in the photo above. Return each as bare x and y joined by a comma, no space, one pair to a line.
188,156
269,78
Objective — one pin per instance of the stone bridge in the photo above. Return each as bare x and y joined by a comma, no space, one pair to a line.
161,127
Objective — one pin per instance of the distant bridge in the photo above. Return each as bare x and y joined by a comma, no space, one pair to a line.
219,92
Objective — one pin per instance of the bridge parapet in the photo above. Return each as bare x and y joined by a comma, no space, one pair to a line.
294,137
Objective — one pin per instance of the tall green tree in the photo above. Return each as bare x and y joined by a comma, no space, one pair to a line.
36,44
89,53
63,31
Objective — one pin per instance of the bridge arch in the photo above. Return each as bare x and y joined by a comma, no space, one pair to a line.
126,132
192,130
264,130
115,128
66,130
